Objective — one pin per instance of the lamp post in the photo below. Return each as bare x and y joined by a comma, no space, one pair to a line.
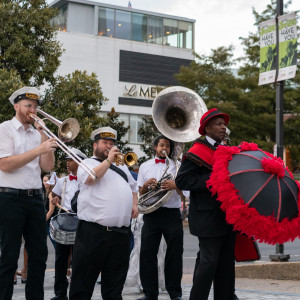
279,255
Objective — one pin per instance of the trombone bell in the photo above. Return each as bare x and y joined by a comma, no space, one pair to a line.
68,130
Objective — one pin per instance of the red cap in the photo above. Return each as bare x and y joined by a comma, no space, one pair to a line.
210,114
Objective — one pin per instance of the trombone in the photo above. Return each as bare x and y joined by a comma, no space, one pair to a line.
67,131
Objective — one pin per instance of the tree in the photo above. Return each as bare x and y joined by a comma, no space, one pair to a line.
10,81
77,95
148,132
251,107
112,120
27,40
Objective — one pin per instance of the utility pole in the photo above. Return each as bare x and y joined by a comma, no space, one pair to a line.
279,256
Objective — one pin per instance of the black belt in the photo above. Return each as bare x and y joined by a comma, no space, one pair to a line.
19,192
116,229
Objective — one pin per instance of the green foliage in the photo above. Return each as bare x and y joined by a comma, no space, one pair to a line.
27,40
148,132
235,91
112,120
10,81
77,95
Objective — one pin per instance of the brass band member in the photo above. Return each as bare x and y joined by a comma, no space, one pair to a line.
104,209
63,193
165,221
24,151
206,219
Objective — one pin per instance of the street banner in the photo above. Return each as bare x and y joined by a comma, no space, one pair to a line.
287,46
268,52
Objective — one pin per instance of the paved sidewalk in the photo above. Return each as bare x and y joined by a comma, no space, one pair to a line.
246,289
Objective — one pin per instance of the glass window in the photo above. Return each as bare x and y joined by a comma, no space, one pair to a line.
170,33
106,22
185,35
136,122
60,20
123,24
139,27
154,30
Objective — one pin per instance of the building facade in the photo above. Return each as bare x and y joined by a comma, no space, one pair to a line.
134,53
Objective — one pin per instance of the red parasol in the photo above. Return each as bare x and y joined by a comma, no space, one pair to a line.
257,192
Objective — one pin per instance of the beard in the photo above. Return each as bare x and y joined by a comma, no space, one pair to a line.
100,155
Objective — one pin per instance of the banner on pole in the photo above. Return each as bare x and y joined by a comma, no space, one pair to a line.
268,52
287,28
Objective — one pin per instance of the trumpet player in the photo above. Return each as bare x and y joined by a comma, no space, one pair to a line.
24,151
104,209
165,221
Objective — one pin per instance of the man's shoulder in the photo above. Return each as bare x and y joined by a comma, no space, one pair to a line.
6,124
147,163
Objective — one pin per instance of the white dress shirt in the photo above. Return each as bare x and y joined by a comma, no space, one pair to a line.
150,169
108,201
212,141
71,187
14,140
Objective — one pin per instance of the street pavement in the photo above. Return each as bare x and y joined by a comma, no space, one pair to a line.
246,289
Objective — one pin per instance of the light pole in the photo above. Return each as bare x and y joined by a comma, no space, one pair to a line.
279,255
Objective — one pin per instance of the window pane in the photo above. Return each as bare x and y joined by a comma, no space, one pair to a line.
139,27
60,20
122,25
135,123
154,30
185,35
106,22
170,33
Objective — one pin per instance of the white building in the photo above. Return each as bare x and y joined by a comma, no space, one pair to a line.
133,52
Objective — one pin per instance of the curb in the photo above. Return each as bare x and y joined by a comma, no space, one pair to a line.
269,270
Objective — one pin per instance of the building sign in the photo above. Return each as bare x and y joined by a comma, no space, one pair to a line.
268,51
287,46
140,91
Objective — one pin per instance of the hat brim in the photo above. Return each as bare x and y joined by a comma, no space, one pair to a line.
203,125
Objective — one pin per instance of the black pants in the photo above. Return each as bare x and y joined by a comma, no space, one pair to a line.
216,264
62,253
22,216
95,251
166,222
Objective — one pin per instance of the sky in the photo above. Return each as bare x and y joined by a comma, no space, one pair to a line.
218,22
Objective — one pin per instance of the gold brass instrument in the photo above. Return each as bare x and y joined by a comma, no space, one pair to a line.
129,159
176,112
67,131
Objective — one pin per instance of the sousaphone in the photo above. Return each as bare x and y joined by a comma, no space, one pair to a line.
176,112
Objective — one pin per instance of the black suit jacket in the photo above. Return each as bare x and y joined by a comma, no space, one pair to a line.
206,219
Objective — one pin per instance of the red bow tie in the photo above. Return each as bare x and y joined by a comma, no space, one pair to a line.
160,161
72,177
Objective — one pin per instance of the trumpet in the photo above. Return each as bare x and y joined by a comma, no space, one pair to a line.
67,131
129,159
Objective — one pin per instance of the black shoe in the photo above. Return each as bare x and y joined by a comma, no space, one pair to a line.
235,297
147,298
59,298
177,298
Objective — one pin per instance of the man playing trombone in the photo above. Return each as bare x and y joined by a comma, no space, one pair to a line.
24,151
104,209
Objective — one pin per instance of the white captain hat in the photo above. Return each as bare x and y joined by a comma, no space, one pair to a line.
106,133
26,92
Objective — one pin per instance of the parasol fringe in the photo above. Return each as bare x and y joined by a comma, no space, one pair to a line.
244,218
